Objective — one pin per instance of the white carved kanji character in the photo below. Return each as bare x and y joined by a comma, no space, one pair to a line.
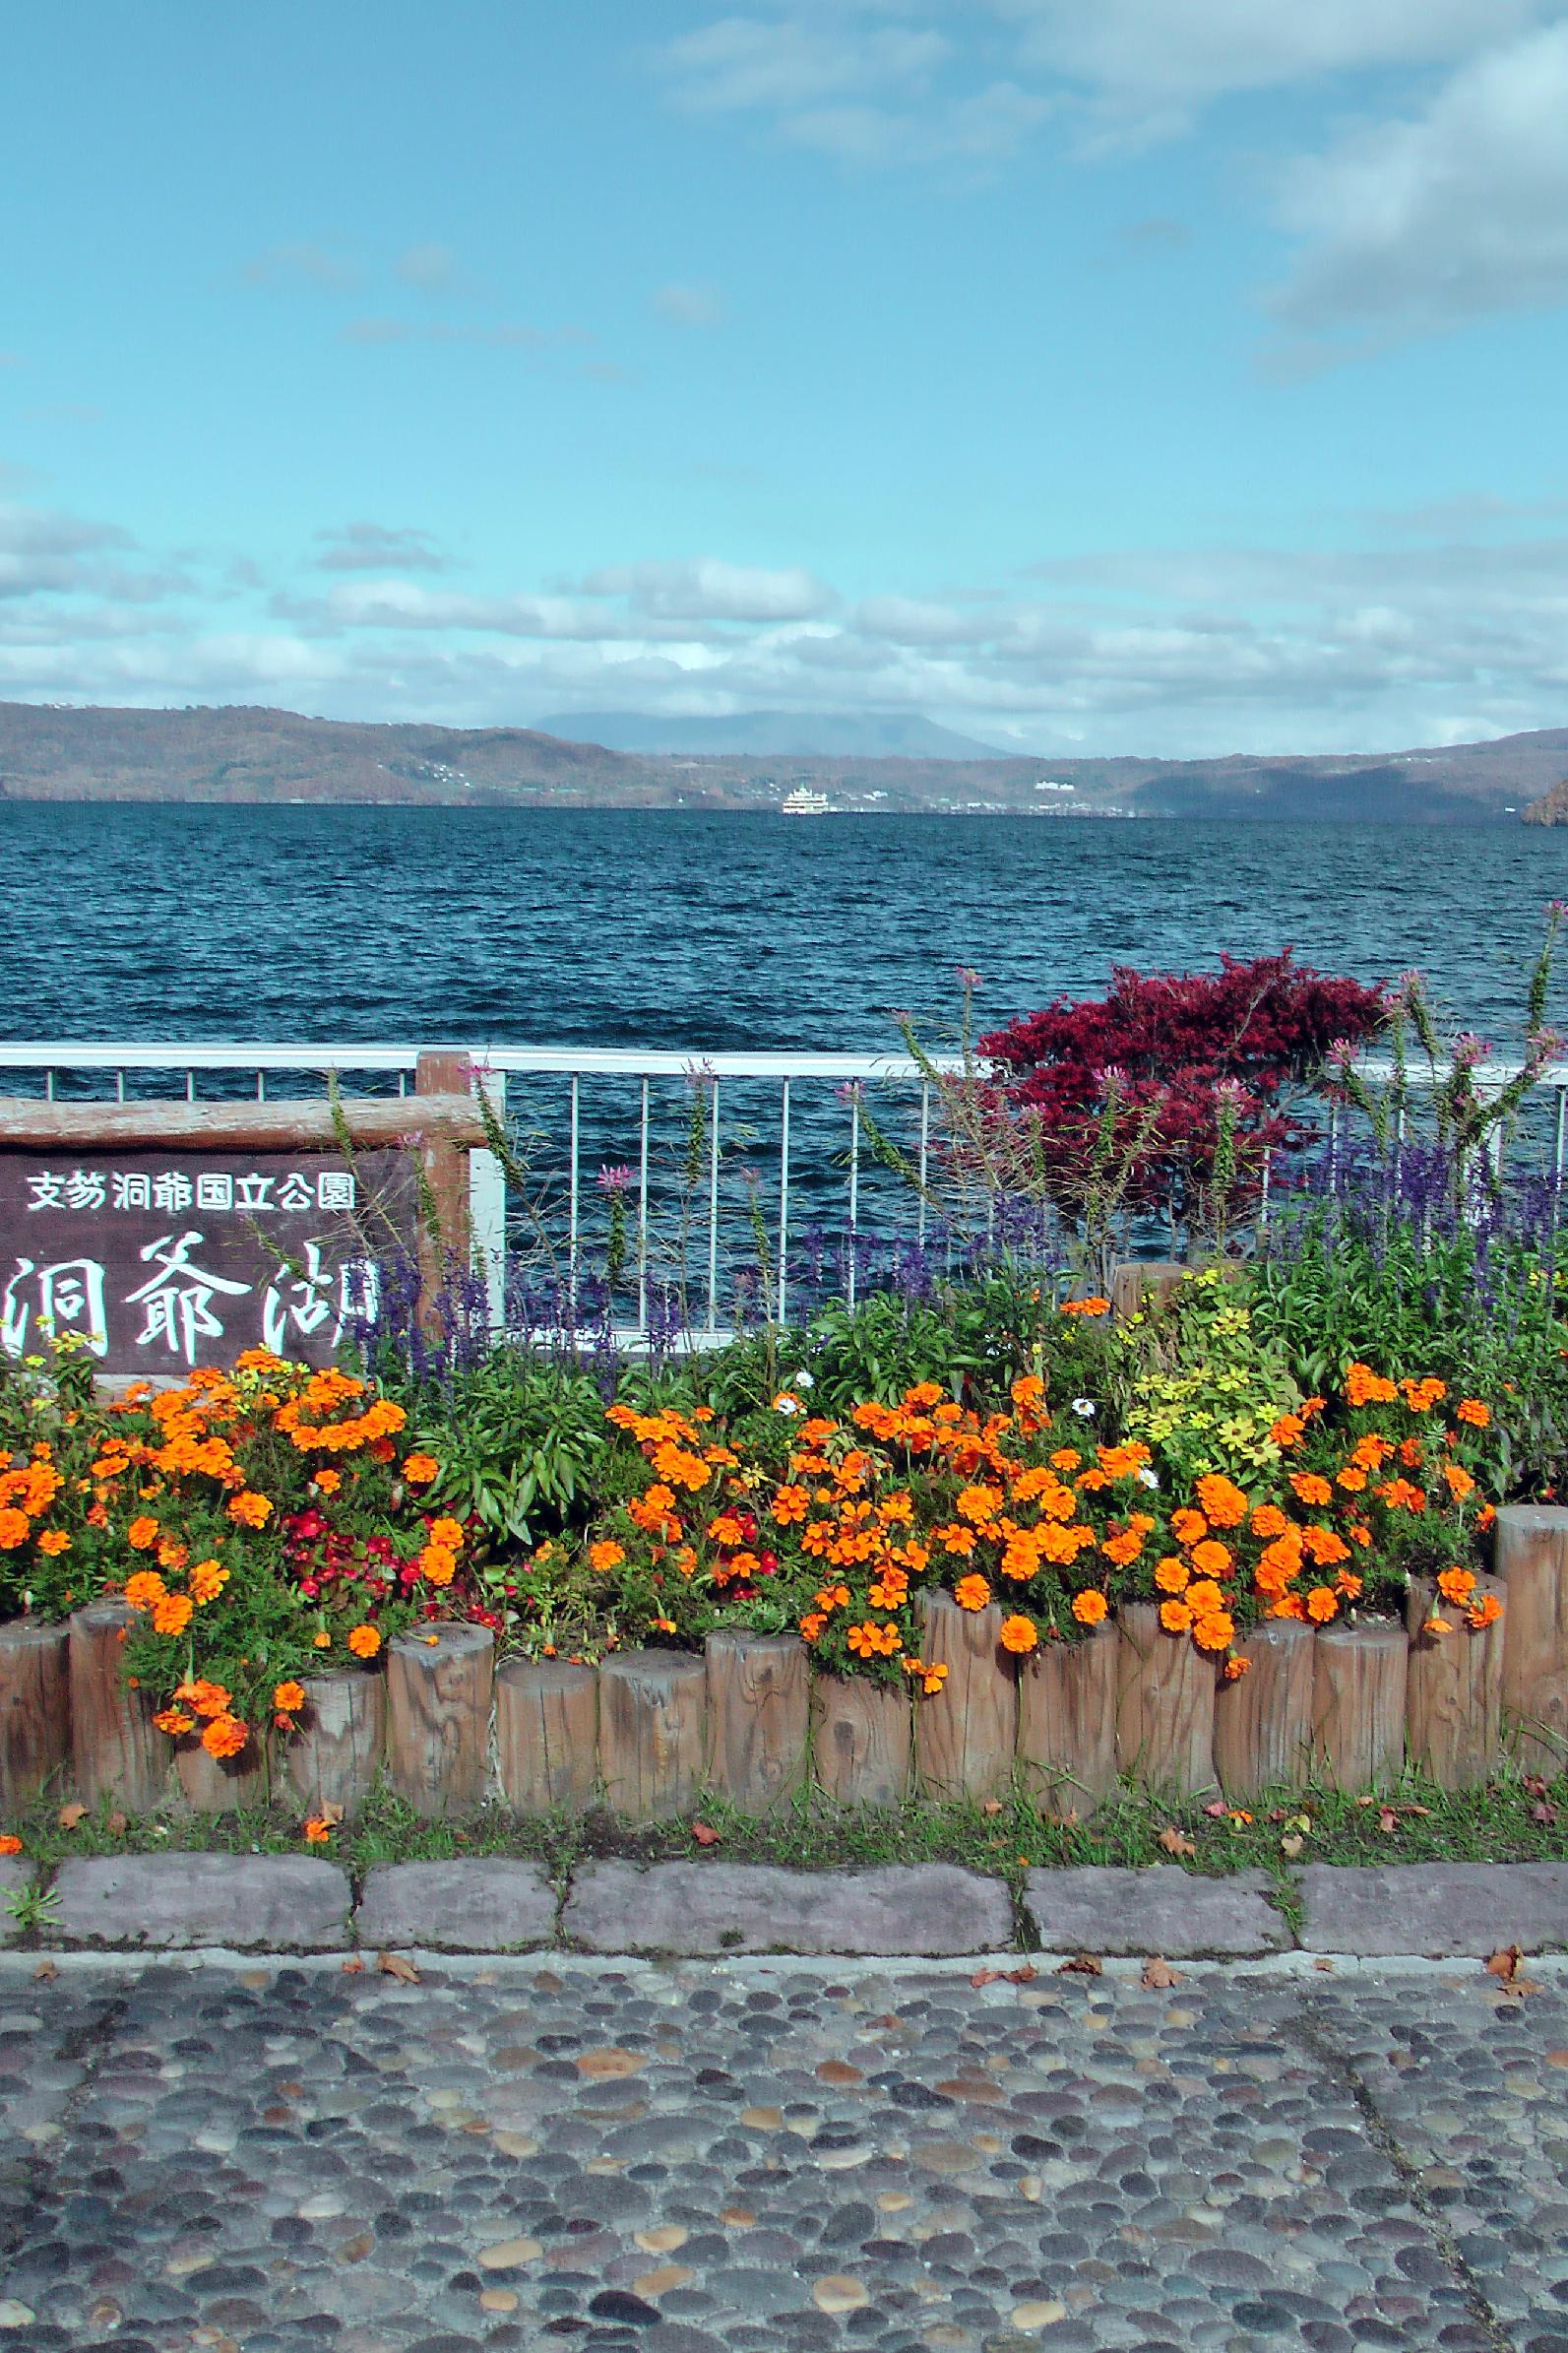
171,1190
178,1297
47,1190
85,1189
67,1296
336,1189
296,1192
251,1192
133,1189
214,1191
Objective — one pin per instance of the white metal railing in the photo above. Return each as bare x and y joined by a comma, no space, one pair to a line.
504,1073
781,1074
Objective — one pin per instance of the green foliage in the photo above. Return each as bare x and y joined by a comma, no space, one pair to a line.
521,1441
1205,1383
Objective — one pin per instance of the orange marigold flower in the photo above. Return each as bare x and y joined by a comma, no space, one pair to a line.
318,1830
1124,1548
449,1532
1202,1597
1221,1499
328,1481
1286,1433
1437,1625
1363,1387
175,1721
833,1597
1310,1487
1353,1478
1347,1585
364,1642
207,1699
1400,1495
923,1393
955,1538
1210,1559
1172,1575
225,1736
605,1555
1459,1481
1090,1606
932,1678
1188,1526
1269,1520
142,1534
1457,1584
1471,1410
1326,1547
790,1503
1322,1604
53,1542
1215,1631
173,1614
1236,1668
971,1593
288,1696
1487,1612
1066,1458
811,1626
420,1469
1019,1635
207,1580
10,1843
1176,1618
438,1563
145,1589
250,1509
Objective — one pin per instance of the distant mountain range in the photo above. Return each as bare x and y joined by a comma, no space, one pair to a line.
241,754
827,735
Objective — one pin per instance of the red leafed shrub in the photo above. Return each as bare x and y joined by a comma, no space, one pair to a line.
1180,1069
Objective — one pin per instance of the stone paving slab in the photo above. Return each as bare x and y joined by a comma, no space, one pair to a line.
481,1904
754,1907
280,1902
1435,1909
1160,1909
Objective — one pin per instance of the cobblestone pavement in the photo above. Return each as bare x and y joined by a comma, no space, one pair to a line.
708,2157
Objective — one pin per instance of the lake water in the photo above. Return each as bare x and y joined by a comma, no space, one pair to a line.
698,931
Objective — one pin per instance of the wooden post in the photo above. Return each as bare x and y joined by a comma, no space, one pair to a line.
1164,1705
35,1709
446,1179
1141,1284
1067,1722
332,1756
116,1751
860,1740
1358,1704
438,1716
1263,1721
965,1734
651,1732
547,1733
220,1784
759,1729
1533,1564
1453,1690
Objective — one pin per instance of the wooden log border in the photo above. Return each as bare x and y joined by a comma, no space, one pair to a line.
650,1732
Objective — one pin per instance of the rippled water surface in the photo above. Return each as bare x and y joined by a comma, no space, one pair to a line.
706,931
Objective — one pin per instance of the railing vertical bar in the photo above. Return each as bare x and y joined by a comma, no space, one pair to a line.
119,1086
572,1214
925,1156
642,1219
48,1084
854,1190
713,1206
783,1200
190,1085
261,1086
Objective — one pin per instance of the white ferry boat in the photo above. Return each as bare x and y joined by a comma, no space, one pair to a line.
803,802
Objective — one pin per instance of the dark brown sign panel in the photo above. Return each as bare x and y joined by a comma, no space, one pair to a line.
165,1259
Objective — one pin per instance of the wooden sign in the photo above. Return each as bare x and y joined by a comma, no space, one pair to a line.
161,1260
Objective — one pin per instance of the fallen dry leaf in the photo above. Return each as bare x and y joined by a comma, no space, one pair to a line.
1083,1964
1504,1962
1004,1976
1158,1974
116,1826
353,1966
1290,1847
1177,1842
73,1815
705,1834
1545,1813
45,1970
1218,1810
392,1964
1325,1964
991,1805
1387,1820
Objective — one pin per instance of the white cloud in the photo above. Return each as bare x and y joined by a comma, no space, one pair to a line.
433,269
372,548
698,305
1458,210
300,264
709,590
784,63
46,551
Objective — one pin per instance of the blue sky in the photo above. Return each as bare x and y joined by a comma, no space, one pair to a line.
1091,375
